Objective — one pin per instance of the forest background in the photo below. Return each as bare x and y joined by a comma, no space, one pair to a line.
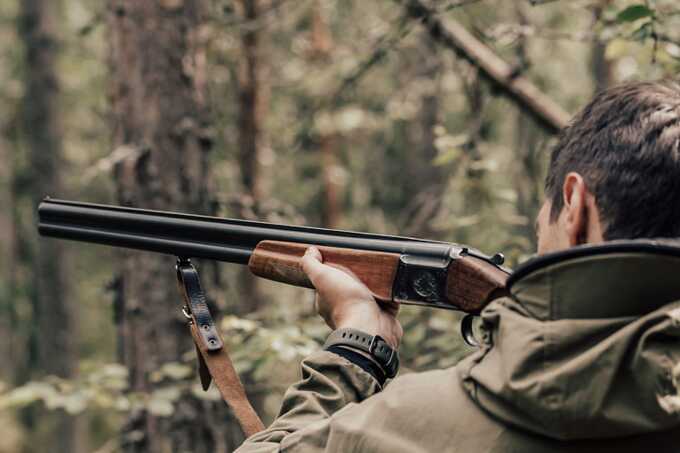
364,115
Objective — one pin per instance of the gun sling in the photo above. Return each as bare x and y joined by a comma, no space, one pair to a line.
213,360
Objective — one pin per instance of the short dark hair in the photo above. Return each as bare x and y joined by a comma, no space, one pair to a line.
626,145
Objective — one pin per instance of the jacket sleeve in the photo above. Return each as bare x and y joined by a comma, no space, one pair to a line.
329,383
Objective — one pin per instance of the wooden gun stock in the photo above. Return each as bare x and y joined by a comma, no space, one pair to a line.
466,282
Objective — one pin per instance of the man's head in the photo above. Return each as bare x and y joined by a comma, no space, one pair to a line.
615,171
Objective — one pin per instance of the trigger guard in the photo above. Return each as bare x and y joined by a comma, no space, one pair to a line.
466,330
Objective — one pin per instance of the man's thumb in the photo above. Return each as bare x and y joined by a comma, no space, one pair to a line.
311,263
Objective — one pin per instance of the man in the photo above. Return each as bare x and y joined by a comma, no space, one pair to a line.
579,357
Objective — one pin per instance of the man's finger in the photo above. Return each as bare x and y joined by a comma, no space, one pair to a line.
311,264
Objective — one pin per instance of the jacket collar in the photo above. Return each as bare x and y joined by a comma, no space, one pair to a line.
614,279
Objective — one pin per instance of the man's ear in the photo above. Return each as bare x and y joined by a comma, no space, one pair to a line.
575,211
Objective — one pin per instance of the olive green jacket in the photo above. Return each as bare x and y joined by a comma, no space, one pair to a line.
580,358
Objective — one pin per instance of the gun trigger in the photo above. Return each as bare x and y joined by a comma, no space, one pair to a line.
203,371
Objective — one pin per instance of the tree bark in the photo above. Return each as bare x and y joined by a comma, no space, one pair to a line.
529,139
157,61
321,54
7,256
253,99
53,338
253,95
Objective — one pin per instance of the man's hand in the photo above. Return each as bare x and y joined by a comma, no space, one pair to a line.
343,301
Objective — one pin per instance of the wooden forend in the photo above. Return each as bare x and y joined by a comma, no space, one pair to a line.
280,261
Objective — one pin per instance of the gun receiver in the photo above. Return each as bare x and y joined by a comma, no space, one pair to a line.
396,269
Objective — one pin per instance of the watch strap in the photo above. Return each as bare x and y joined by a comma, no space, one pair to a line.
376,347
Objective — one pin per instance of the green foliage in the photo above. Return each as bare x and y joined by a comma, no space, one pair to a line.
257,350
634,12
104,387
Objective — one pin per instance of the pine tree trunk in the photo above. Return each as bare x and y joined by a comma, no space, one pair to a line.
253,98
159,115
602,68
253,95
53,338
529,146
321,52
7,255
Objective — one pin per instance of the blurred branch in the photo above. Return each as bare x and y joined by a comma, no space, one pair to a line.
453,35
386,43
382,46
105,164
456,4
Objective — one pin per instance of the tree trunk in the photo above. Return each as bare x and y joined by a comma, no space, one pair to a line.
7,256
603,69
253,98
253,95
53,338
529,146
157,65
321,53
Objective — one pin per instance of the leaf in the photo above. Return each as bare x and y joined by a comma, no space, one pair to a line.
643,32
235,323
449,147
176,371
169,393
212,394
616,48
349,118
111,376
160,407
161,401
75,403
24,395
446,157
633,13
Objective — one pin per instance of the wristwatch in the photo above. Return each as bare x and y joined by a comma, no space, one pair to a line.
377,348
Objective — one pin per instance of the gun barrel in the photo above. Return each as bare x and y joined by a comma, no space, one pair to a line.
196,236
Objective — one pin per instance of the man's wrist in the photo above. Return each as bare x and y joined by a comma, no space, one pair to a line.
362,360
362,322
372,351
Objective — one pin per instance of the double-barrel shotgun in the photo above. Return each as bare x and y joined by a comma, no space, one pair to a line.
395,269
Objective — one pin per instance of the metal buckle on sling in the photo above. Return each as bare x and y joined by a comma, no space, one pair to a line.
195,306
185,312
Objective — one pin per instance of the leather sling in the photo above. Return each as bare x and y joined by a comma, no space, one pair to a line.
213,360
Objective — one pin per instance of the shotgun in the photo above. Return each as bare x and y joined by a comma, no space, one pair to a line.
397,270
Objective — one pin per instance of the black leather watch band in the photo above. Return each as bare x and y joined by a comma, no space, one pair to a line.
383,354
